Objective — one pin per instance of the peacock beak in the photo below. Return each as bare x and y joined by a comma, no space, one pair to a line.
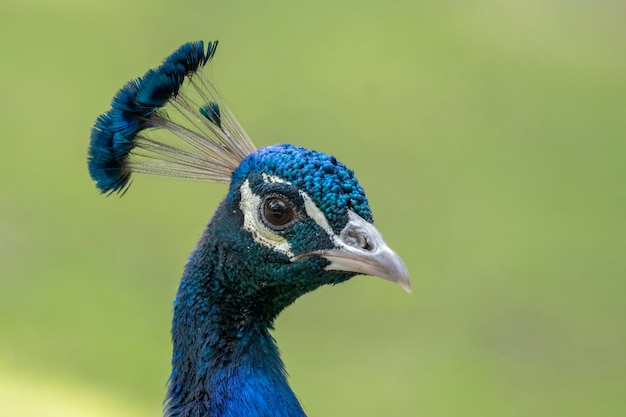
360,248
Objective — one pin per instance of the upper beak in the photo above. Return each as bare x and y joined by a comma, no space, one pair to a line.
360,248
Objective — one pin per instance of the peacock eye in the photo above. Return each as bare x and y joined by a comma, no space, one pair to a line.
277,213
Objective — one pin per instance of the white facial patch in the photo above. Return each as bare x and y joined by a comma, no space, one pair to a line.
316,214
249,206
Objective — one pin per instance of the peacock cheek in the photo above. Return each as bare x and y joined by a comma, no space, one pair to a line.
308,237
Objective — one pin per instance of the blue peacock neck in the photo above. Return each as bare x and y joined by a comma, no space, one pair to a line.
225,362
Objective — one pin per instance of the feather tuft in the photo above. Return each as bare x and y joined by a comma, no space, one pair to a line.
168,122
212,112
105,165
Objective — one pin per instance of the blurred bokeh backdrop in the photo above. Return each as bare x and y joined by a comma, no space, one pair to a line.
490,137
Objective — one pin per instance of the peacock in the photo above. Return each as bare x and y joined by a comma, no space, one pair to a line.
293,219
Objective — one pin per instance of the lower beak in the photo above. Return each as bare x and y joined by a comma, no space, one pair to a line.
360,248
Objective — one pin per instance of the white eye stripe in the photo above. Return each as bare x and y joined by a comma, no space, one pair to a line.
316,214
249,206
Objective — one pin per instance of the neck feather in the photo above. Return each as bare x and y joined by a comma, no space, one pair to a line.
225,362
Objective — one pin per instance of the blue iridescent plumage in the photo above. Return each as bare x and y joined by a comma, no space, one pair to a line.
293,220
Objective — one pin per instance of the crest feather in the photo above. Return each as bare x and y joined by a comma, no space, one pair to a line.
172,122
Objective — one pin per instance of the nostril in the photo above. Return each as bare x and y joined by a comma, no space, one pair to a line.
357,240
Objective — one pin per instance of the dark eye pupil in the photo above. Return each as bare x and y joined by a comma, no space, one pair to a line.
277,212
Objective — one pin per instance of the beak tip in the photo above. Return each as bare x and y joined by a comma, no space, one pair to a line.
401,274
376,259
404,281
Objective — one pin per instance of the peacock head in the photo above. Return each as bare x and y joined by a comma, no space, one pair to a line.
301,220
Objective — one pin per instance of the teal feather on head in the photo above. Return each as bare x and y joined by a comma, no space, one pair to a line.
293,220
211,111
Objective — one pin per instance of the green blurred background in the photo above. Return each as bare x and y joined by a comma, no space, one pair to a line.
489,135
